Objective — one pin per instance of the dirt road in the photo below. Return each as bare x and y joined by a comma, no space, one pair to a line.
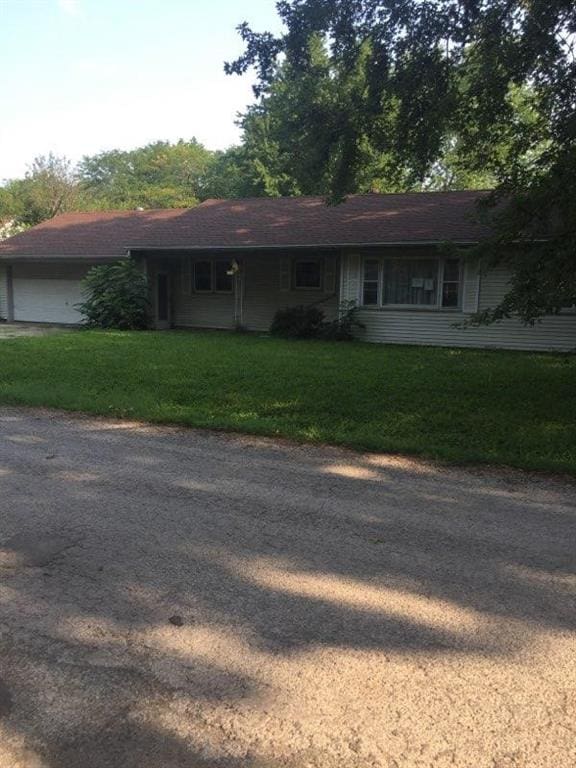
173,598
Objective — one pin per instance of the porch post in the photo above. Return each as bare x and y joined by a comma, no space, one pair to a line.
239,297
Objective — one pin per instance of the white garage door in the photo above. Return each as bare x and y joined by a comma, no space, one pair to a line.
46,300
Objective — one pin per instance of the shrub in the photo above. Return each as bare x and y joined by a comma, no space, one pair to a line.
342,328
298,322
308,323
116,296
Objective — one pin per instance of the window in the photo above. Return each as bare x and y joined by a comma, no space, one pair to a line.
411,282
202,276
370,290
212,276
308,275
451,283
222,280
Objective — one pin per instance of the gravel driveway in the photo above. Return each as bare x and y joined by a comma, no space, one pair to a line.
173,598
18,330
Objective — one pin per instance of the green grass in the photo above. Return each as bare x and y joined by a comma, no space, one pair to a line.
454,405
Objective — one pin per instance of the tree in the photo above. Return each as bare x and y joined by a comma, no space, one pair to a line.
10,228
410,82
159,175
48,188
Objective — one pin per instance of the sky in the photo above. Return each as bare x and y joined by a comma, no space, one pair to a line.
82,76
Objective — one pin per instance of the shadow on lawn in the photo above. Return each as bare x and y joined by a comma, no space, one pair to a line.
268,553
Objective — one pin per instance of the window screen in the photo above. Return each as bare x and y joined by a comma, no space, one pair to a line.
370,290
410,281
451,283
308,274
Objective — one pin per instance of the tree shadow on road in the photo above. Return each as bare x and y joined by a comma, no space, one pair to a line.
269,554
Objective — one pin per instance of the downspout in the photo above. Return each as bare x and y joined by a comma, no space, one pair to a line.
9,294
242,288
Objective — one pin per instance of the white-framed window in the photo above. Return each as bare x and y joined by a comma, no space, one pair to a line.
451,281
307,274
211,276
407,281
371,285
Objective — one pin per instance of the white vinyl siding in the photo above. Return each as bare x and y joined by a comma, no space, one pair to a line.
470,287
493,287
439,327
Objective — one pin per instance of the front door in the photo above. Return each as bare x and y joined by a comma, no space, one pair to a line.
162,300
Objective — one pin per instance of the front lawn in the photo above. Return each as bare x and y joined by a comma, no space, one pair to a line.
454,405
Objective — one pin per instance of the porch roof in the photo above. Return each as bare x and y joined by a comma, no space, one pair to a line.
258,223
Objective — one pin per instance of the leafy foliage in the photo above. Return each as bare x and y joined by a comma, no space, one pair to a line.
159,175
298,111
116,297
10,228
487,87
308,322
344,326
48,188
299,322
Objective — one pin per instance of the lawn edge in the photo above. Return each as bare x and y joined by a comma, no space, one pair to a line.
474,467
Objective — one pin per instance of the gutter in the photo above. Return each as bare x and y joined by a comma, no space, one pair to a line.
17,258
315,246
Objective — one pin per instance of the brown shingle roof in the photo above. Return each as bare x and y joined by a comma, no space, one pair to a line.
257,222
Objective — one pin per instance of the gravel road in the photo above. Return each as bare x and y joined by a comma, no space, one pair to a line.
173,598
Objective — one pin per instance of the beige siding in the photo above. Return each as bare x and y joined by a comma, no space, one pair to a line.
439,328
49,271
470,287
3,293
213,310
493,287
197,310
262,296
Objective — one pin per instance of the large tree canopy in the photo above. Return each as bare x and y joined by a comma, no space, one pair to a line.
390,88
159,175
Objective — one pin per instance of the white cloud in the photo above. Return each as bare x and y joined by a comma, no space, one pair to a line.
69,7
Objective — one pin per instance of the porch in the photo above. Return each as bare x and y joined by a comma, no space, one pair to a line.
237,289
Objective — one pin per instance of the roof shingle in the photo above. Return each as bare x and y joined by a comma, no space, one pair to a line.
257,222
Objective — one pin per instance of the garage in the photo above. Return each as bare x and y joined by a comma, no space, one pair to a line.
47,293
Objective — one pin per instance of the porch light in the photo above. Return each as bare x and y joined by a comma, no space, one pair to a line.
233,269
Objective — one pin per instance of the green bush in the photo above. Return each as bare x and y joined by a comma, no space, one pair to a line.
342,328
116,296
298,322
302,322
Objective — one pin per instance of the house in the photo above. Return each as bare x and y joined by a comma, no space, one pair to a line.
229,263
